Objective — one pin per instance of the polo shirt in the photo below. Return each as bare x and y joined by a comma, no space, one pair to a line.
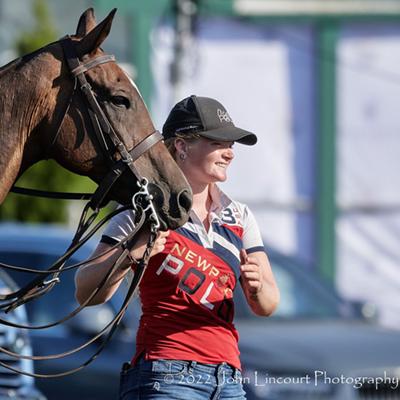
187,289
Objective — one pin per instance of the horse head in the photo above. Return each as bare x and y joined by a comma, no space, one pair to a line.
65,130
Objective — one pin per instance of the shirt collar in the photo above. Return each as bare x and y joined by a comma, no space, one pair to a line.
219,201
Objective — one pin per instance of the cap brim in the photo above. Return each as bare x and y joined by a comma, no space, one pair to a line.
231,133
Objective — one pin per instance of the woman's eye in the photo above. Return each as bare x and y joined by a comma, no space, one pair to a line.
223,144
120,101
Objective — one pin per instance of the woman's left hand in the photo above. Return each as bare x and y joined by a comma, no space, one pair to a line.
251,274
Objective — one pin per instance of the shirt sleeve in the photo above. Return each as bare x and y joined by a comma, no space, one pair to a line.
119,227
252,240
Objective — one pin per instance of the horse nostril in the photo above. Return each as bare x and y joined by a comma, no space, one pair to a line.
185,199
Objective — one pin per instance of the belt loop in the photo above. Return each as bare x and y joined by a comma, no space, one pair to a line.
191,366
237,373
126,366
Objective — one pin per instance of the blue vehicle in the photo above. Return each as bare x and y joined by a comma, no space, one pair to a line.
12,384
314,332
39,247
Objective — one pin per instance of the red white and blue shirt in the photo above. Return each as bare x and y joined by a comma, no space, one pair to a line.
187,290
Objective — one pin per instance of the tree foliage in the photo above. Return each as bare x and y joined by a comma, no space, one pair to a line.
46,175
42,33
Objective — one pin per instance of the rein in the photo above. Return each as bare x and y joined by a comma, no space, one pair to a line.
113,325
51,195
142,204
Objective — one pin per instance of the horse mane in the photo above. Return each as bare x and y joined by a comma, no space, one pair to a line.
14,63
20,111
20,61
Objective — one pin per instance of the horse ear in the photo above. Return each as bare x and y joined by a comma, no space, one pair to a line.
93,40
86,23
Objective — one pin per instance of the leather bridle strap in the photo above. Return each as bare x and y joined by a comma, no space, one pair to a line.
127,158
111,327
101,125
104,187
51,195
92,63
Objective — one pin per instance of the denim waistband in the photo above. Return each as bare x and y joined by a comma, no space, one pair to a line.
191,366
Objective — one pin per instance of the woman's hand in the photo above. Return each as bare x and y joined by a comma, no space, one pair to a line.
160,242
140,244
258,283
90,275
251,274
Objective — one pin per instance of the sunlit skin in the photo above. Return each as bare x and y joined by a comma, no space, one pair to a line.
206,161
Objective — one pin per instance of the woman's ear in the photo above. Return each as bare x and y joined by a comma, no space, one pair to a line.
180,145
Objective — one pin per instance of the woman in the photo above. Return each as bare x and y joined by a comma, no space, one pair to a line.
187,345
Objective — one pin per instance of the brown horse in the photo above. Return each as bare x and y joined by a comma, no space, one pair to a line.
42,116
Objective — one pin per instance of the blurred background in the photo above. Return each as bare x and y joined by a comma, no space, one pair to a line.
316,80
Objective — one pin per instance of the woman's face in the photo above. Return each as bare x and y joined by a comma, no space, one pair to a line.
207,160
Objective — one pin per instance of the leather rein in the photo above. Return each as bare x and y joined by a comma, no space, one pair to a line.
142,205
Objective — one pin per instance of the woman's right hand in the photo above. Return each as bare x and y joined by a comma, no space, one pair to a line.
140,246
91,274
160,242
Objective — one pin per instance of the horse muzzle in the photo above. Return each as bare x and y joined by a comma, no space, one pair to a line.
172,208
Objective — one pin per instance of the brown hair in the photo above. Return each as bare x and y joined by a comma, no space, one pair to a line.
188,137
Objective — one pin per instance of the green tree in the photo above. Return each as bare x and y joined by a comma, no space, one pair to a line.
41,34
45,175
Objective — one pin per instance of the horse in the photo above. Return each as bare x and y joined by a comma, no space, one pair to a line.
45,116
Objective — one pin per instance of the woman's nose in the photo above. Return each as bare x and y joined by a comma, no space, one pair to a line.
229,154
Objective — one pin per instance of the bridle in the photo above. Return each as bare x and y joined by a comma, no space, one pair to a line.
142,205
104,132
102,127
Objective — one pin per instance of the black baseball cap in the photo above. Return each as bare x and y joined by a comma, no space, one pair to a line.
208,118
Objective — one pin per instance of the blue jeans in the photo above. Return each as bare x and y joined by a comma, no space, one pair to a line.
183,380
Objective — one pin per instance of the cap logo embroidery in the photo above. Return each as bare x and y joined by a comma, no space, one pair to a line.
223,116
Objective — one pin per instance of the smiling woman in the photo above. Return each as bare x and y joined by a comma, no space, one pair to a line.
207,160
186,329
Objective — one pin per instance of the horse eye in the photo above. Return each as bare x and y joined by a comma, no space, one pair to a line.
120,101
